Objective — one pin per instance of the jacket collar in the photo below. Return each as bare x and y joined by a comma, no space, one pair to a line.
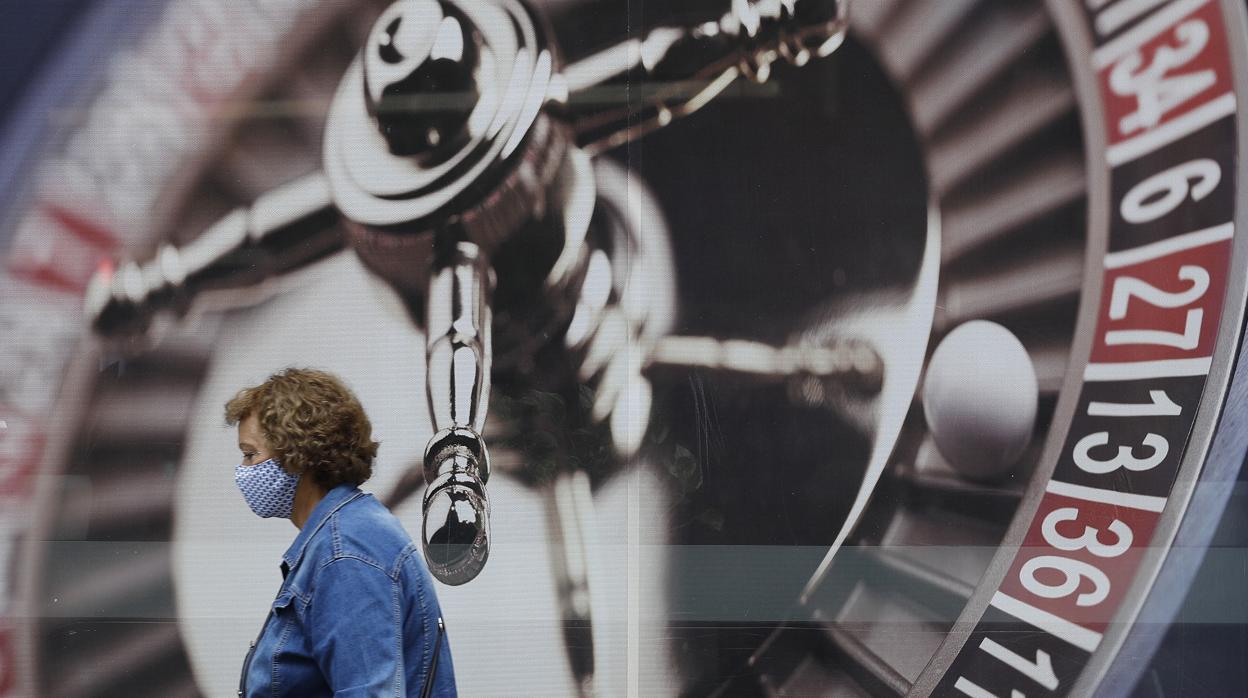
330,503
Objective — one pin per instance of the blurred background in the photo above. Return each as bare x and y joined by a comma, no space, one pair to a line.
143,527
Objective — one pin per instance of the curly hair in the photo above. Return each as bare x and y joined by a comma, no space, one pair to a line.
313,423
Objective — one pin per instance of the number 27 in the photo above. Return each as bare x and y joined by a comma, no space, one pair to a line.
1126,287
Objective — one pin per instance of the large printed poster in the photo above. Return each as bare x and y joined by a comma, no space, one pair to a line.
713,347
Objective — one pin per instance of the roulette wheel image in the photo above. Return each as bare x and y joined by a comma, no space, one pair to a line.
790,347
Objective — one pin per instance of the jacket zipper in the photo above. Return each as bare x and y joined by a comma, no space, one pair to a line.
433,663
242,678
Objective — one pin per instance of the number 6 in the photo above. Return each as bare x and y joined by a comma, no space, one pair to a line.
1169,189
1072,570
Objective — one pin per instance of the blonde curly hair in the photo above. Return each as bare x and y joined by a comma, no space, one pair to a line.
313,423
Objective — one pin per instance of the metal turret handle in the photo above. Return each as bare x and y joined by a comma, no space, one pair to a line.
681,69
456,528
286,229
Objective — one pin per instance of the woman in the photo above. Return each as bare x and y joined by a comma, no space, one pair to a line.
356,614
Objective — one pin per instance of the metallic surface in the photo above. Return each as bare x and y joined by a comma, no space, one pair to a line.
456,530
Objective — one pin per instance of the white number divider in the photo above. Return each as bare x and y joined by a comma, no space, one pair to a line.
1139,370
1077,635
974,690
1160,405
1119,14
1171,131
1142,502
1169,246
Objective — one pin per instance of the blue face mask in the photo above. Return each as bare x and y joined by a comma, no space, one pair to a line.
268,489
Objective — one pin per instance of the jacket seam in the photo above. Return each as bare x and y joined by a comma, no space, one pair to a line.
277,649
358,558
398,639
404,554
334,535
425,649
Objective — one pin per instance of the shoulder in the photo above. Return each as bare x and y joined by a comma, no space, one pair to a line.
366,531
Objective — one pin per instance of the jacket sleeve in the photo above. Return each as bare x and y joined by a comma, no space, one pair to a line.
355,629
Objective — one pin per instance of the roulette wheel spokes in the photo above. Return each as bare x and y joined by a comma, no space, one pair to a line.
443,102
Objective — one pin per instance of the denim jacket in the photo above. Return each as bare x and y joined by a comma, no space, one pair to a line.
356,614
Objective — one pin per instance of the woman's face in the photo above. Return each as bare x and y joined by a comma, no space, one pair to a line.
251,441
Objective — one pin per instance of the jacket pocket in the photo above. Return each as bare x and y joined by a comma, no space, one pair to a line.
283,601
283,611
